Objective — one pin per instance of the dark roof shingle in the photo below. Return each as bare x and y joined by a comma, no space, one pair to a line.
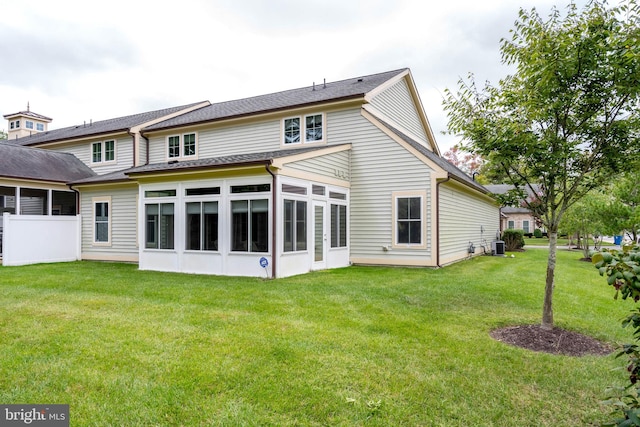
119,124
325,92
36,164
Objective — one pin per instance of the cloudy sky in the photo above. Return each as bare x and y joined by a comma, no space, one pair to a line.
77,61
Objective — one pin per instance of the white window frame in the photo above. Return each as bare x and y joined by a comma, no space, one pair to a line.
181,155
303,130
39,127
103,152
94,202
294,224
28,124
396,196
511,224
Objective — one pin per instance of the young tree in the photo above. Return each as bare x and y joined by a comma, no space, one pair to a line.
3,135
568,118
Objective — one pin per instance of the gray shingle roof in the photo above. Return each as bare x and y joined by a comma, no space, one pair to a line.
209,163
331,91
32,163
119,124
29,114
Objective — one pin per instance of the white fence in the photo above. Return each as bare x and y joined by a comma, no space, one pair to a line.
32,239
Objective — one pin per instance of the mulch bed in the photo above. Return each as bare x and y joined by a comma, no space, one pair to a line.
554,341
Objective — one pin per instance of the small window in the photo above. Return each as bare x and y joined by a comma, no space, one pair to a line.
313,128
511,225
337,196
12,125
293,189
202,191
17,123
159,226
250,225
318,190
109,151
101,222
292,130
96,152
409,220
202,226
256,188
174,146
39,127
189,144
338,226
181,146
295,225
28,124
160,193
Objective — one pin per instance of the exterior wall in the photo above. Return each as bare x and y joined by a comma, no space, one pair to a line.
337,165
31,239
397,104
224,260
380,167
518,221
82,150
123,206
465,218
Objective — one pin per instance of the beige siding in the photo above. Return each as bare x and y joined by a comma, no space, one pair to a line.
226,141
123,224
379,167
397,104
332,165
465,218
124,154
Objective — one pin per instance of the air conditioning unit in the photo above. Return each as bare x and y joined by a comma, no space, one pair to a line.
497,248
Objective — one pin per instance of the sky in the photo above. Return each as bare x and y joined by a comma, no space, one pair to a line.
78,61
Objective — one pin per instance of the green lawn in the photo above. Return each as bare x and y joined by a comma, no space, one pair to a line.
544,241
366,346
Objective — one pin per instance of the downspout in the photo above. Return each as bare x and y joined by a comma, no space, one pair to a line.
146,139
273,219
133,143
438,220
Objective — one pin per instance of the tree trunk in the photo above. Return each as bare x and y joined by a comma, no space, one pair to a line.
547,308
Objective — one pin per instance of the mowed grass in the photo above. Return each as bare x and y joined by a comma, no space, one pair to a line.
369,346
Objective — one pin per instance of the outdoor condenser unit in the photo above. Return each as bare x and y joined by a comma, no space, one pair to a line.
497,248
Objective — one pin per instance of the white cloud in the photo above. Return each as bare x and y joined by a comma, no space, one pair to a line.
77,62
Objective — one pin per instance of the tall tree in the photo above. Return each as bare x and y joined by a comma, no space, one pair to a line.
567,119
469,163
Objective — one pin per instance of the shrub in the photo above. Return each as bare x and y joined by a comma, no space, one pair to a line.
513,239
622,270
537,233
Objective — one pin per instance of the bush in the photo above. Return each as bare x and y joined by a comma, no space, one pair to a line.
513,239
537,233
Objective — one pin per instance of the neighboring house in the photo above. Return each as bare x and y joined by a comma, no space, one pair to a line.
519,218
275,185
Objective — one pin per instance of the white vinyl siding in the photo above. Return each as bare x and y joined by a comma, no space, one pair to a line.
465,218
123,219
397,104
336,165
379,167
83,151
226,141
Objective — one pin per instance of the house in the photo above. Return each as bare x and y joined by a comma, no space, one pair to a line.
513,217
318,177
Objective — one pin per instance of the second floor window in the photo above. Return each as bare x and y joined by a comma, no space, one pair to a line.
29,124
179,146
295,133
103,151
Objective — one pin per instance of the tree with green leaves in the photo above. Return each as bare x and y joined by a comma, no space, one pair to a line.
585,219
623,211
567,119
3,135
